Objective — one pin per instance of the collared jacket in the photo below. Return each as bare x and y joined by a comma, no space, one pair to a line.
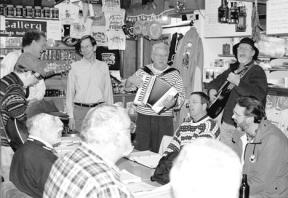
265,162
253,83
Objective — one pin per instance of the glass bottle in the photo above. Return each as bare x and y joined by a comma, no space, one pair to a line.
223,12
244,188
233,13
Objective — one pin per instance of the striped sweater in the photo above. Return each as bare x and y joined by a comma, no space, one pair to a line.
188,131
12,97
174,79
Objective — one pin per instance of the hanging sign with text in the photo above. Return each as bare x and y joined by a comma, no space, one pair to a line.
17,27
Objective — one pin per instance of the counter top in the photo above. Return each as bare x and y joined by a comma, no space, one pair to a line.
277,91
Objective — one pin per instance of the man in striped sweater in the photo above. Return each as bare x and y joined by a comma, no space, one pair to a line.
198,126
150,126
13,94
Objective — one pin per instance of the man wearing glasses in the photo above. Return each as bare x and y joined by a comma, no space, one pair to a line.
88,83
197,125
13,96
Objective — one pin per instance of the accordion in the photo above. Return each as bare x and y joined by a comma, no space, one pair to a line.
153,92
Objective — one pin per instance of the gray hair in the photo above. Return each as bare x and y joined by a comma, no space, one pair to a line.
160,45
203,168
104,124
37,122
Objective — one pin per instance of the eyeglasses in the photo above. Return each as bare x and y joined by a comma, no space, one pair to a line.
86,47
237,114
36,75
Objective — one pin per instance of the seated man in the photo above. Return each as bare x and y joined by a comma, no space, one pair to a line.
265,156
90,171
200,125
207,168
32,161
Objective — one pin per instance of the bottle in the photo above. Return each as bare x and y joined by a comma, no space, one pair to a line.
233,13
244,188
223,12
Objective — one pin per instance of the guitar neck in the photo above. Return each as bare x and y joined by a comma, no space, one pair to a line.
49,74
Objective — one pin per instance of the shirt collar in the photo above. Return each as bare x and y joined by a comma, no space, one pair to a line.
107,162
40,140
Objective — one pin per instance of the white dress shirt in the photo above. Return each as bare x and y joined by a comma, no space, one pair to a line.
88,83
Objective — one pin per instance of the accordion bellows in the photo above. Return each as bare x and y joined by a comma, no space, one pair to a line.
153,92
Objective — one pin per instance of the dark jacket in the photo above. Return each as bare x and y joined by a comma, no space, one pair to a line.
265,162
254,83
30,167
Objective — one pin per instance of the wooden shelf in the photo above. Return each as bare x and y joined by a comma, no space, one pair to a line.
252,1
260,56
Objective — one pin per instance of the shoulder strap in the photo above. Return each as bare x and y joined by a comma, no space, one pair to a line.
169,70
148,71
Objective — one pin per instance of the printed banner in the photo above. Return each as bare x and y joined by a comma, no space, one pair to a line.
18,27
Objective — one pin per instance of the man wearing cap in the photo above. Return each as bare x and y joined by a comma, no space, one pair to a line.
13,94
247,79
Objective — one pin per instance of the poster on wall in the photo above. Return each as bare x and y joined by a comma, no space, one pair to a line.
213,28
110,5
115,20
111,57
116,40
277,15
99,33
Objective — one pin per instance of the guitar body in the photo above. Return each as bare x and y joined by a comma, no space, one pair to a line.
17,132
223,94
217,106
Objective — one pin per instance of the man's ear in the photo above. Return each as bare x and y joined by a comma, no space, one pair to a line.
204,106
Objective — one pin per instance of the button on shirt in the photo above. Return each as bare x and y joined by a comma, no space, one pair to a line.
88,83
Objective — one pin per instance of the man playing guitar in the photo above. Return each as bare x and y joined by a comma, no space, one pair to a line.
243,78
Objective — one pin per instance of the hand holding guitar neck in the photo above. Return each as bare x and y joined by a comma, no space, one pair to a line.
234,78
57,69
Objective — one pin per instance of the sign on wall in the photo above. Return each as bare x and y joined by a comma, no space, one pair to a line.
277,15
18,27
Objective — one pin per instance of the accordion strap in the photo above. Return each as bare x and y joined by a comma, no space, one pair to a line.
149,71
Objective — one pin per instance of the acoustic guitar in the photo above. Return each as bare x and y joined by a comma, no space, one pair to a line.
218,104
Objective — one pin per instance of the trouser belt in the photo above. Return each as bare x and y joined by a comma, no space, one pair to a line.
87,105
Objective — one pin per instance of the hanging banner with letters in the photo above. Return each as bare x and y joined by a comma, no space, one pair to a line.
18,27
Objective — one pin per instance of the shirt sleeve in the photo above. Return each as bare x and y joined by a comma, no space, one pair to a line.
175,143
70,93
108,92
16,107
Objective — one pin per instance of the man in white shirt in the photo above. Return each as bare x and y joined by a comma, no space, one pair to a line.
88,83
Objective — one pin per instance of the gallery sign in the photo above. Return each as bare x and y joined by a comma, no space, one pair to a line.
17,27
